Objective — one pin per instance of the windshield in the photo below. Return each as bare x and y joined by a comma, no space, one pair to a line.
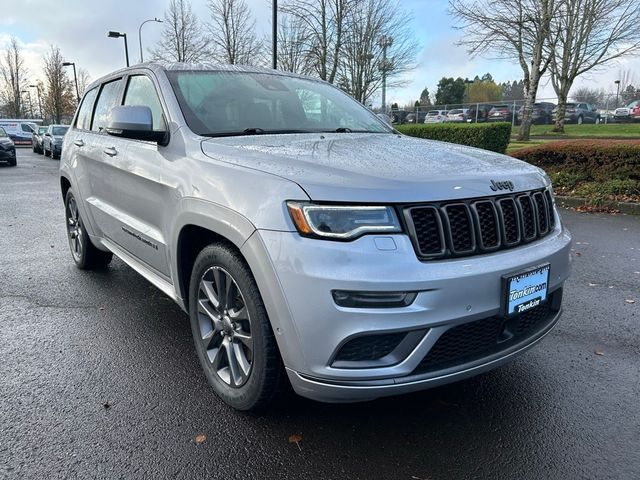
59,130
218,103
3,133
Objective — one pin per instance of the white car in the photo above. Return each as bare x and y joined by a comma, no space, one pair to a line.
436,116
457,115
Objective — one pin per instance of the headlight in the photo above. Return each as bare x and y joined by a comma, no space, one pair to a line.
340,222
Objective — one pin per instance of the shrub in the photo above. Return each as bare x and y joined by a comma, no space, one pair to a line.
489,136
597,160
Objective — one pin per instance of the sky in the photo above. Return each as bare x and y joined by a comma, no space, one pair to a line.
79,28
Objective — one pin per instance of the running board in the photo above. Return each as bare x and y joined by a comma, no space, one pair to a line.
159,282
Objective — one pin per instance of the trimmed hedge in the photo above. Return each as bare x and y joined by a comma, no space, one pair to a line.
587,160
489,136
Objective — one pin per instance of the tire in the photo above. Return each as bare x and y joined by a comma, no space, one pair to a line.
85,254
580,120
235,345
46,152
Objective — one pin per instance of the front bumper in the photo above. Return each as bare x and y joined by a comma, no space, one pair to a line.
7,154
296,284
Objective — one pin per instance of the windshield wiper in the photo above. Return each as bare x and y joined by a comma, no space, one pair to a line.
253,131
344,130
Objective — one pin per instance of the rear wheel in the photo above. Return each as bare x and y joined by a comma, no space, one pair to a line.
85,255
231,330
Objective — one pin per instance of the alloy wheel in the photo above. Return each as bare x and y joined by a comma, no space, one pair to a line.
225,327
74,229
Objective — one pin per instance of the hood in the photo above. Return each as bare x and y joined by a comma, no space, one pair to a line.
353,167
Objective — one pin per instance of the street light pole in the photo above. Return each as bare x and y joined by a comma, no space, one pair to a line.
617,82
112,34
75,78
385,42
274,34
37,87
154,19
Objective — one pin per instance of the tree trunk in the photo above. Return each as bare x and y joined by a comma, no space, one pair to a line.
561,110
527,111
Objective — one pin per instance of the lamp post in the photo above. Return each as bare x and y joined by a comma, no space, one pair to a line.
384,42
112,34
274,34
37,87
30,103
154,19
75,77
617,82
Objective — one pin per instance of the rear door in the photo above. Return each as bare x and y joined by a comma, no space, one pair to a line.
132,201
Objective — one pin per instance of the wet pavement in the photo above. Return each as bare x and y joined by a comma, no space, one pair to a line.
99,378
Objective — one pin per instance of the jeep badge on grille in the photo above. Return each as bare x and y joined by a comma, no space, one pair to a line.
505,185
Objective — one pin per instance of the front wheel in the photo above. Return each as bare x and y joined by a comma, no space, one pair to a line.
85,255
231,330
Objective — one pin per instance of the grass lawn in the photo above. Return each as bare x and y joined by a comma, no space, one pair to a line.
622,130
544,133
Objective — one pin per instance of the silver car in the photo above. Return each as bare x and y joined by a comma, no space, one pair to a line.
307,240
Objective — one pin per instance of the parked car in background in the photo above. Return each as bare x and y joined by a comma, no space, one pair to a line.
457,115
7,148
399,116
416,117
53,137
37,139
628,113
435,116
19,130
503,113
579,113
482,114
542,113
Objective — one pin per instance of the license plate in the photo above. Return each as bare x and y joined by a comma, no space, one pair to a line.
526,289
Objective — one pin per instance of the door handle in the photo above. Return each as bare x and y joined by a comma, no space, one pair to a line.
79,143
111,151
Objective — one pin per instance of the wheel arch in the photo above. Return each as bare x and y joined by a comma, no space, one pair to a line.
65,185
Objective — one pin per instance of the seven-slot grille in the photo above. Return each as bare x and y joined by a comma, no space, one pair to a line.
468,227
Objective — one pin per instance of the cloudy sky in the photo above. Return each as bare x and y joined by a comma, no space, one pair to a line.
79,28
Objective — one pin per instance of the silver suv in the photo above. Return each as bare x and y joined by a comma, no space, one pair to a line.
306,237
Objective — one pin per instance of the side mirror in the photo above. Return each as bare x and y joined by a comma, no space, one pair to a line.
133,121
47,134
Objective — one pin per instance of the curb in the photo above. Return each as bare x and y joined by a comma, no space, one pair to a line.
624,207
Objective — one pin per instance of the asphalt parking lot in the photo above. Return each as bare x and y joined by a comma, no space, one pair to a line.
99,378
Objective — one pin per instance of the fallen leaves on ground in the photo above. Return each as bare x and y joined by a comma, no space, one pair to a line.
578,254
593,284
107,404
599,351
629,301
200,439
296,439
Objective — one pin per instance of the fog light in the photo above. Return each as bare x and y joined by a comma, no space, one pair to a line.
351,299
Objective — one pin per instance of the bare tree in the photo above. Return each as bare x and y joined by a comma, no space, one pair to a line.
363,64
292,41
233,32
513,29
84,79
13,76
182,37
591,33
590,95
59,99
324,23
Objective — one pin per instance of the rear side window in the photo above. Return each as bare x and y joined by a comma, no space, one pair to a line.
142,92
83,121
107,99
26,128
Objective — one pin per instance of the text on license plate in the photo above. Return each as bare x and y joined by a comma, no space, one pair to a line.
527,290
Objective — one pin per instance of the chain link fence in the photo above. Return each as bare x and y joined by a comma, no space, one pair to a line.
578,111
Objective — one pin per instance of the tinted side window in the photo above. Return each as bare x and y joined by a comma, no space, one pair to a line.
84,115
26,128
107,99
141,92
